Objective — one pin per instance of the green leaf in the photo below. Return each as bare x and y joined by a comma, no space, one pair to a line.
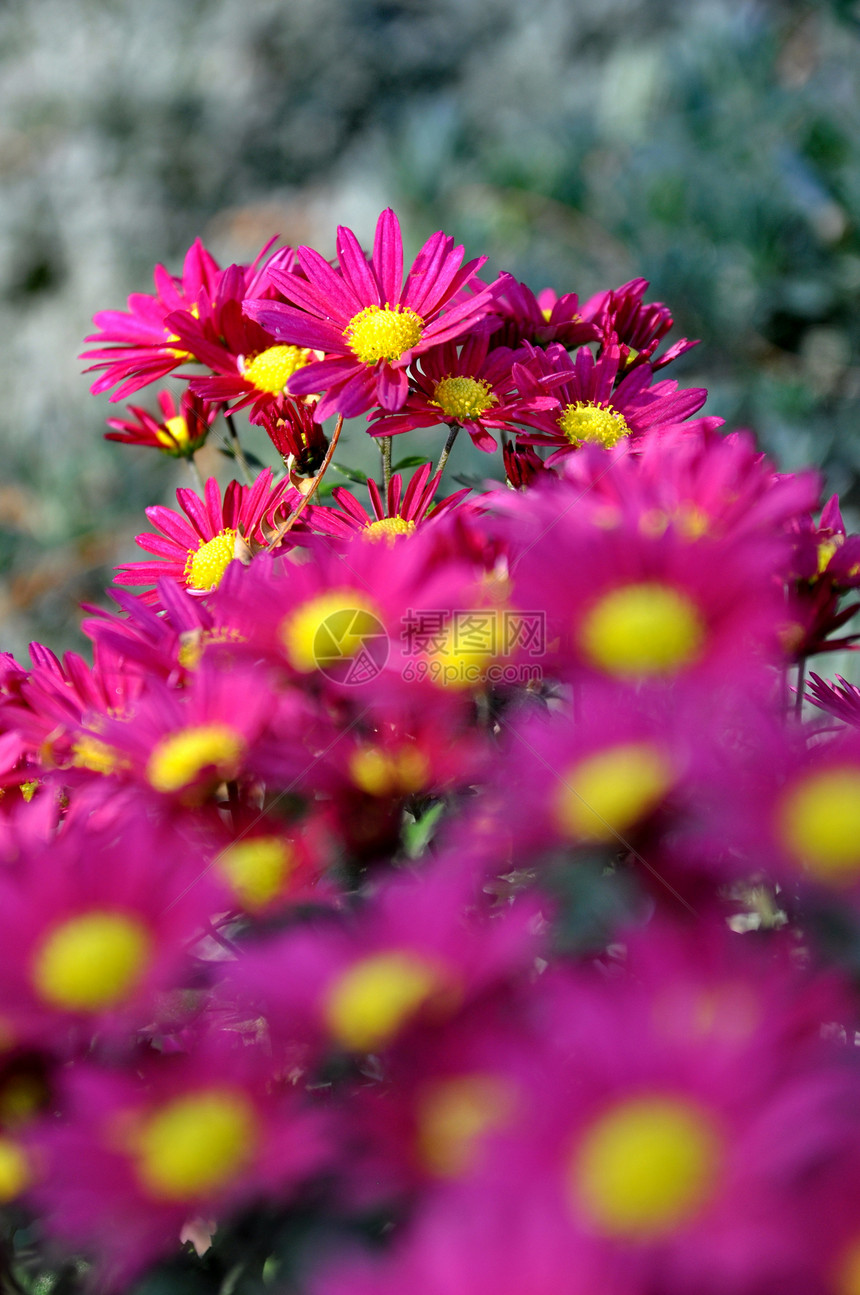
418,833
351,474
411,461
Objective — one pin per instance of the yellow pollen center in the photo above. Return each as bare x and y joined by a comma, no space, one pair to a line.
584,421
453,1115
370,1001
389,773
463,398
179,759
388,529
195,1144
826,550
642,629
383,333
91,962
93,754
333,626
646,1167
174,434
205,566
818,822
14,1170
271,370
610,791
257,869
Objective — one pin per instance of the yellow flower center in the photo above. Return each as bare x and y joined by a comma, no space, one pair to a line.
453,1115
331,627
383,332
388,529
463,398
646,1167
91,962
818,822
608,792
14,1170
826,550
205,566
257,869
584,421
368,1003
175,433
389,773
93,754
642,629
179,759
195,1144
271,370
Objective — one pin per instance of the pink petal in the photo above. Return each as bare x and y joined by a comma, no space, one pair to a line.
388,256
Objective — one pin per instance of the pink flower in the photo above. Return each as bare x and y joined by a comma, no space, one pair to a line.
197,549
591,408
401,512
369,324
469,386
138,1154
179,432
623,317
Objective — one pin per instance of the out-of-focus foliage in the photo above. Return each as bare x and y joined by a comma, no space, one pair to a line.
712,146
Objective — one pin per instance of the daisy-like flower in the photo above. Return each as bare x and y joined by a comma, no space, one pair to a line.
397,515
250,368
196,549
297,435
590,408
141,348
841,699
139,1153
465,387
95,926
622,316
179,432
369,324
539,319
143,345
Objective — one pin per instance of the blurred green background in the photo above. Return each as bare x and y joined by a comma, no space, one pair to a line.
712,146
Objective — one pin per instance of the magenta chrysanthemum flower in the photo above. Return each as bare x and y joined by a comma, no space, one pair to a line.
841,699
622,316
591,409
140,347
539,319
398,514
197,549
461,387
143,345
367,321
179,432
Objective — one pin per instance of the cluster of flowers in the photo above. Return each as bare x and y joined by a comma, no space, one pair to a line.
462,887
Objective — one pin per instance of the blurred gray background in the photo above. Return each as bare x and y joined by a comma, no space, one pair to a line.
712,146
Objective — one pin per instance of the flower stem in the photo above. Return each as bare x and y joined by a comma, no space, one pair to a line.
236,447
294,517
195,474
801,684
443,457
385,448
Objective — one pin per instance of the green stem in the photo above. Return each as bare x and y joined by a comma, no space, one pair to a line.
195,475
443,457
236,447
801,684
385,448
